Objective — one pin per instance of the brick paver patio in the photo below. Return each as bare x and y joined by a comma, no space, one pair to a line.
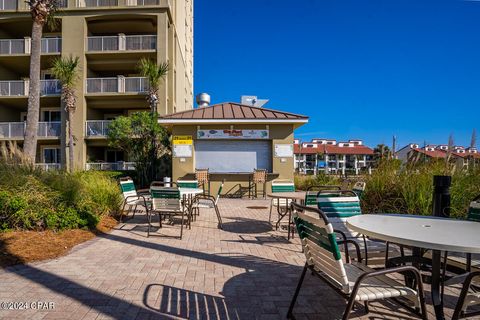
246,271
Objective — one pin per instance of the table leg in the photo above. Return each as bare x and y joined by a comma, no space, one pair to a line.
435,286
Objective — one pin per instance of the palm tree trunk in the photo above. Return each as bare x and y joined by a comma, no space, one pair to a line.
33,110
71,165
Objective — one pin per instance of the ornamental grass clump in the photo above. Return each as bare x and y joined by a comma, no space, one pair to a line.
32,199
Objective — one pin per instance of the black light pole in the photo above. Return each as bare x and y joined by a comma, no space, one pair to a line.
441,208
153,109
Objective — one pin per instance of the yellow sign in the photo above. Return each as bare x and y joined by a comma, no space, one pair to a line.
182,140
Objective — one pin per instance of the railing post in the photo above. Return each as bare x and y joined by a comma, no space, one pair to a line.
121,84
9,130
122,42
26,87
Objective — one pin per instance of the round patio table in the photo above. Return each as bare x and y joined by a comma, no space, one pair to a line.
188,193
297,196
437,234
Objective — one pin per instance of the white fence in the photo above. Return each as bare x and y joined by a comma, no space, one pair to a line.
51,45
50,87
110,166
117,85
144,42
12,46
16,130
16,88
97,128
23,46
107,43
48,166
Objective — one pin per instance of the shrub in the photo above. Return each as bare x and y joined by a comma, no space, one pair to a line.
303,182
36,200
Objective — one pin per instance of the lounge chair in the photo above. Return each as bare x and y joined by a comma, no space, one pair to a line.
354,281
203,178
166,202
131,197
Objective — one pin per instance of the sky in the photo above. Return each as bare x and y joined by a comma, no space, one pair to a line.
359,69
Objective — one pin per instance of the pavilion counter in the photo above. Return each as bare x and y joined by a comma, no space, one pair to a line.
232,140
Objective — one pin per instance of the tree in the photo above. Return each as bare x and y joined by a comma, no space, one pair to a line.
134,135
66,70
42,12
380,152
154,73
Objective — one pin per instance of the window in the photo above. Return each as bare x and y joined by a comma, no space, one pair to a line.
51,155
51,115
114,156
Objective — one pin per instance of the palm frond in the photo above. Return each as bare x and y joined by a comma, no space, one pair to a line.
152,71
66,70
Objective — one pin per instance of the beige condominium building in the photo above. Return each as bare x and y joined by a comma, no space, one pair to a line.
109,37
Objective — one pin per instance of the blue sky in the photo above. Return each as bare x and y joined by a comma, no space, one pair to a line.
358,69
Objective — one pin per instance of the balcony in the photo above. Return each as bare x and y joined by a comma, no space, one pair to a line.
116,85
8,4
97,128
96,3
142,2
122,43
110,166
16,130
23,46
19,88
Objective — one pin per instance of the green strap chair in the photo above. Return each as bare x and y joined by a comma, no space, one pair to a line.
130,197
469,296
166,202
312,191
354,281
280,186
187,184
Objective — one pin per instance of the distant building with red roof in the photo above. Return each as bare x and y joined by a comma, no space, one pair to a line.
331,156
460,155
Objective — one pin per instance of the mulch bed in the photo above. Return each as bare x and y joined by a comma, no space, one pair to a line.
18,247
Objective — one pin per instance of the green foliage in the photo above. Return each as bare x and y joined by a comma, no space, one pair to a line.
65,69
391,188
38,200
303,182
136,135
152,71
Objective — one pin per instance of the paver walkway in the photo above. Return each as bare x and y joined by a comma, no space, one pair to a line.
246,271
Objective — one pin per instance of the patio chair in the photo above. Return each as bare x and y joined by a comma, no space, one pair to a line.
280,186
469,296
203,178
338,206
312,191
131,197
211,202
259,176
166,202
187,183
354,281
359,188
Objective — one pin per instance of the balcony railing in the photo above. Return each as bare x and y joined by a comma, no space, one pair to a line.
144,42
117,85
13,88
23,46
97,128
51,45
142,2
136,84
50,87
102,85
110,166
16,130
48,166
8,4
12,46
121,43
19,88
97,3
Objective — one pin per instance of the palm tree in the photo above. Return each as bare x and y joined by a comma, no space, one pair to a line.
42,12
66,70
154,73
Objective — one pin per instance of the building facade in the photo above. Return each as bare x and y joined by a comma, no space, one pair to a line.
332,157
461,156
109,37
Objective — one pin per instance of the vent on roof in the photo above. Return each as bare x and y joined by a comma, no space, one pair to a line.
253,101
203,100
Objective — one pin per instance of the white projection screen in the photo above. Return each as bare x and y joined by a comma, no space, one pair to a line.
233,156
